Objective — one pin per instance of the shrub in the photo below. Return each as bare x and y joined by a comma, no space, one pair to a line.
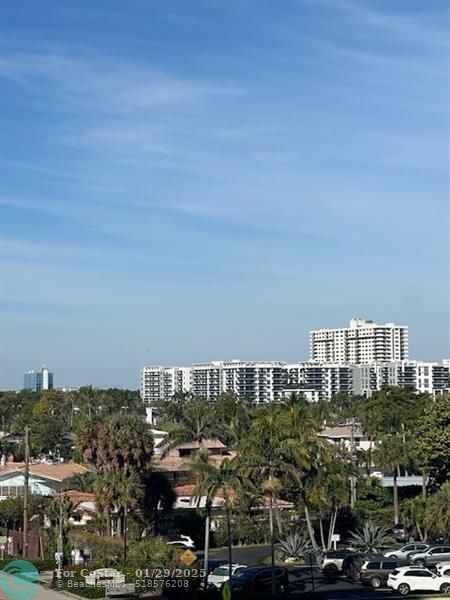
152,551
293,547
370,538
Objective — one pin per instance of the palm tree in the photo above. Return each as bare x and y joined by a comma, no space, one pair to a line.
370,538
413,515
195,424
327,490
393,453
233,416
117,493
437,514
83,482
210,481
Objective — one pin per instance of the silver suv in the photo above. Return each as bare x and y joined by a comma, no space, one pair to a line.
430,557
404,552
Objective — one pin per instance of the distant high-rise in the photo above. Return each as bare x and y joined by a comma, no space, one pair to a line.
37,381
362,342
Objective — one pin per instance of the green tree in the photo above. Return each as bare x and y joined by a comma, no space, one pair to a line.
233,417
328,492
432,439
210,481
413,512
117,443
437,512
82,482
195,423
392,454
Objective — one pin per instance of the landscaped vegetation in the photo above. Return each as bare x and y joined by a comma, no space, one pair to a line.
279,482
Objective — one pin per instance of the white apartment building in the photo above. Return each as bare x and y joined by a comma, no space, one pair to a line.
258,381
425,377
161,383
362,342
270,381
319,381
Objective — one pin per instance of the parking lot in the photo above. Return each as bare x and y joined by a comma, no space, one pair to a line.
305,580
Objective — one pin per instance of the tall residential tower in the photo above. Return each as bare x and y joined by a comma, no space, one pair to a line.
362,342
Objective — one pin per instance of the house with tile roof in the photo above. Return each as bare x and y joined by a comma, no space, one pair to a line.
84,506
176,463
44,479
185,498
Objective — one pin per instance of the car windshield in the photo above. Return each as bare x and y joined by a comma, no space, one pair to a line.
245,574
223,570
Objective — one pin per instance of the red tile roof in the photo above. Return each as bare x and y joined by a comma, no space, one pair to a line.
77,497
57,472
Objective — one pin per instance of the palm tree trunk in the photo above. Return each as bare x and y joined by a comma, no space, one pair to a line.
272,545
424,483
230,543
332,527
322,535
396,512
206,555
312,536
277,517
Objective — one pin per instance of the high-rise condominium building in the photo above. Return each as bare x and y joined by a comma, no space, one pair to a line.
37,381
424,377
161,383
361,343
257,381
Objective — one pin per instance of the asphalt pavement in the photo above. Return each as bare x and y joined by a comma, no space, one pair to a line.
303,580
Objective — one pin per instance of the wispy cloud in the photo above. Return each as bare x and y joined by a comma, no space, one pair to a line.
104,85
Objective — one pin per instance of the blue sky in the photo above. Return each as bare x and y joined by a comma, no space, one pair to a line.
189,181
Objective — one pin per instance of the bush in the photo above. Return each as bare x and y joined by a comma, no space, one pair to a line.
293,547
153,552
106,549
244,531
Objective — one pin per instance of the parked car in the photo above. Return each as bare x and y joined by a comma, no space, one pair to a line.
351,565
400,532
430,557
222,573
256,583
375,571
443,568
331,562
404,551
180,541
412,579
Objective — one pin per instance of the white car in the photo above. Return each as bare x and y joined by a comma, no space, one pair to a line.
443,568
417,579
331,562
222,573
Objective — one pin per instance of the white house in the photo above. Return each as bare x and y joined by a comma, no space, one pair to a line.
44,479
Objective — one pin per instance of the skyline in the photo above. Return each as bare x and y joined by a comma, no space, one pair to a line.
185,182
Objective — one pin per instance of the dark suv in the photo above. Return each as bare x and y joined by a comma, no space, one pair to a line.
375,571
256,583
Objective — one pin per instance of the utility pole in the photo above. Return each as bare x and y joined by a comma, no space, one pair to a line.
125,527
352,476
25,493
